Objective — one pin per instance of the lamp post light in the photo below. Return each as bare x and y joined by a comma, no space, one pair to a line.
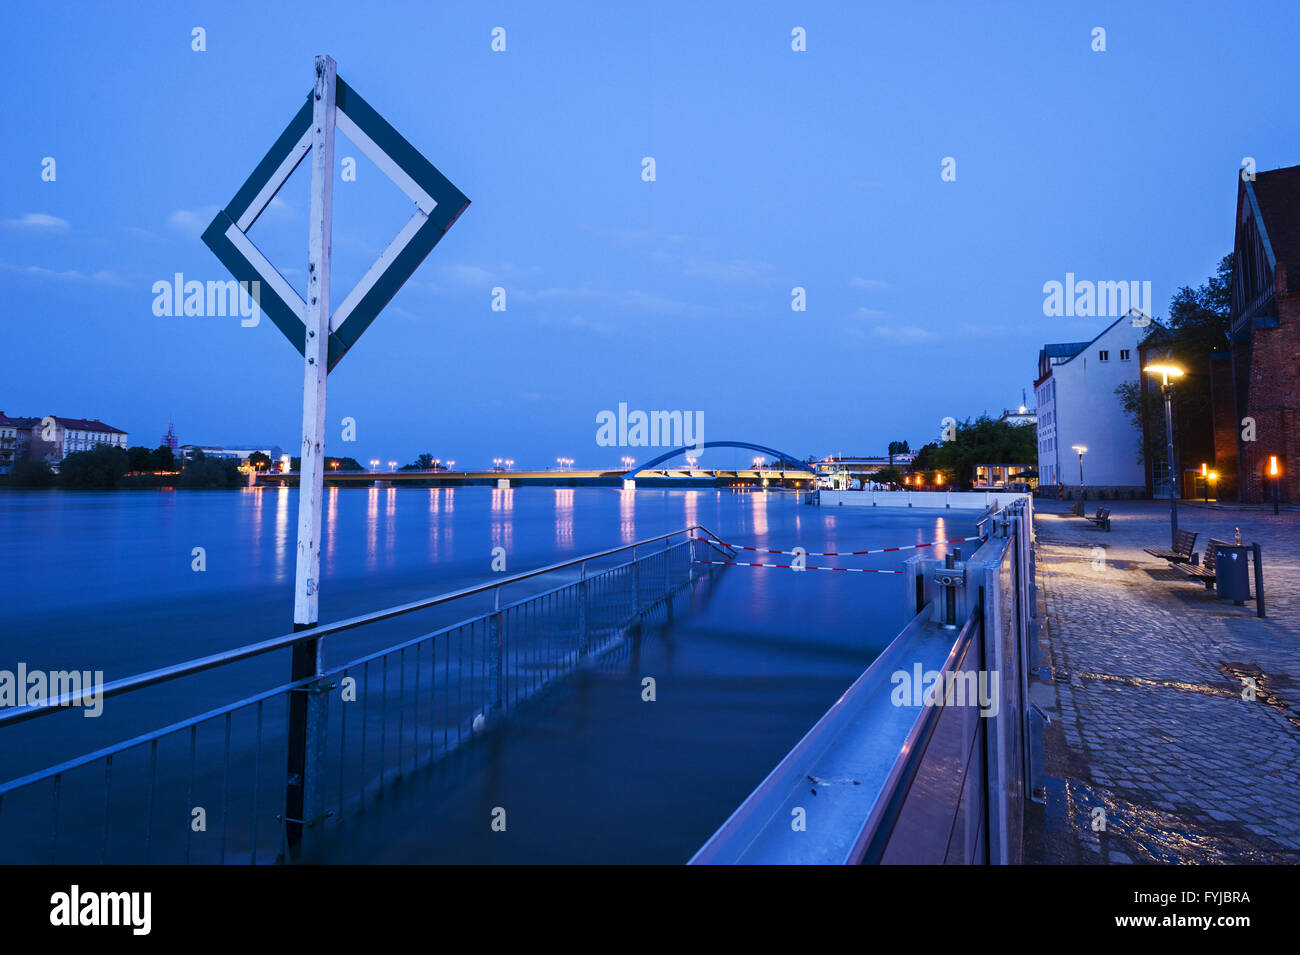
374,464
510,463
1213,477
1275,473
392,465
1167,390
1082,451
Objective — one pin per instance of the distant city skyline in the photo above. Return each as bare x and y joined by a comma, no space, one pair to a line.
776,171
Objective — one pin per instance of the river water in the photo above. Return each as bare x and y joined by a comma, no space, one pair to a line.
589,772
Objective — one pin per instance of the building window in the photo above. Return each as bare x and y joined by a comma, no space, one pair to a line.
1103,356
1123,354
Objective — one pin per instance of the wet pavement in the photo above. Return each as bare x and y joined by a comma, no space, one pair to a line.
1175,716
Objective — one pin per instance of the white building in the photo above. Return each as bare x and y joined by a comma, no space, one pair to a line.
1077,405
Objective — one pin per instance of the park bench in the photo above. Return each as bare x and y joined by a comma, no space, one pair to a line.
1206,572
1184,541
1077,508
1101,518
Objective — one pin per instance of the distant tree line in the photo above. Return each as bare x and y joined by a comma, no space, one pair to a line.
106,467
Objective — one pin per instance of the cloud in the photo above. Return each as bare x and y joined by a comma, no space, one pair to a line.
38,222
870,313
476,275
732,270
192,222
101,277
903,335
579,322
875,285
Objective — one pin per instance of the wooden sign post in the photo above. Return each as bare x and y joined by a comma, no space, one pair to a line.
323,334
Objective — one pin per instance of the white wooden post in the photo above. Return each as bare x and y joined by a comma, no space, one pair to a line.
311,470
304,802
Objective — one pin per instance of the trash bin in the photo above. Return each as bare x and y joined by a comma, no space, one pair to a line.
1230,572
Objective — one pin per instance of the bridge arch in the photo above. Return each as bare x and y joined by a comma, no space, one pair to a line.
796,464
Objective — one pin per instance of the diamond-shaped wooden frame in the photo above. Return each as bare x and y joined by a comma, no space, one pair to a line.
438,205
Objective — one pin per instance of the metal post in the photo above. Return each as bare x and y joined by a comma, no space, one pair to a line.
494,651
582,613
636,584
307,707
1168,391
1259,582
1082,494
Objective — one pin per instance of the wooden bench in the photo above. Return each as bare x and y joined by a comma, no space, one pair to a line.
1101,518
1206,572
1077,508
1182,552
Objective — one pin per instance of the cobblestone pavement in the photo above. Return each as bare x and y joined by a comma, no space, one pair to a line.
1143,672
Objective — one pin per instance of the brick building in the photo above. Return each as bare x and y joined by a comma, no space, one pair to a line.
1261,378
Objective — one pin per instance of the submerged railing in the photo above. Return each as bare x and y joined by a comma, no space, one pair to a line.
896,773
214,787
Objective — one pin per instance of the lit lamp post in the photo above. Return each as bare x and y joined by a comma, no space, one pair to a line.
1167,390
374,464
1082,451
1213,477
1275,473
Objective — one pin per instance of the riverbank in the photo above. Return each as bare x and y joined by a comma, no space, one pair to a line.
1153,755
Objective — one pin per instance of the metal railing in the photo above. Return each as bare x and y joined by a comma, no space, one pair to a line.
213,787
886,776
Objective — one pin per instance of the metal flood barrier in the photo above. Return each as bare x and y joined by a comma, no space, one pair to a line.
928,758
212,788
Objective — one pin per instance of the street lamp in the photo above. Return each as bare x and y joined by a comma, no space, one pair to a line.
1274,472
374,464
1167,390
1082,449
1212,477
510,463
392,465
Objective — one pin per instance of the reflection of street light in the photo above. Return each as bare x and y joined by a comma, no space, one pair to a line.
1166,372
1082,450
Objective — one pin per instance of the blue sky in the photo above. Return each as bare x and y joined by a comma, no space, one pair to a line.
775,169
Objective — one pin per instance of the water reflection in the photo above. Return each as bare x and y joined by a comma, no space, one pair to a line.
372,528
627,516
282,543
564,517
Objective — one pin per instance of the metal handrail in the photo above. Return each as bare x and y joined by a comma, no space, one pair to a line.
869,847
176,671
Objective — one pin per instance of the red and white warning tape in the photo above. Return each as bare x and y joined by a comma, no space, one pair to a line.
849,570
843,553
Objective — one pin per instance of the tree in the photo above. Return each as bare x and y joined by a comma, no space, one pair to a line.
137,459
162,459
897,447
100,467
211,473
259,461
982,441
30,474
423,463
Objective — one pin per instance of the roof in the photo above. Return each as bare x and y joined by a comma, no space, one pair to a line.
72,424
1064,349
1278,194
